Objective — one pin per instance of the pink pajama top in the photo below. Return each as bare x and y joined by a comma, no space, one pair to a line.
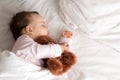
26,48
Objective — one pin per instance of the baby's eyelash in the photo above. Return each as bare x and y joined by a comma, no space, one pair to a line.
43,25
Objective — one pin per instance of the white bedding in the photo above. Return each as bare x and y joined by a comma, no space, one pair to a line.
99,21
95,25
14,68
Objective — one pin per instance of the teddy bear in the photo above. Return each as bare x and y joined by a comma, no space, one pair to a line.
61,64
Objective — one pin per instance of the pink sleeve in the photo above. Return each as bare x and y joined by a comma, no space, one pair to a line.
46,51
65,40
26,46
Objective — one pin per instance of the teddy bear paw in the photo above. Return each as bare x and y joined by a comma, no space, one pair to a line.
55,66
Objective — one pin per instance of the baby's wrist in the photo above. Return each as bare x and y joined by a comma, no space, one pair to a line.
65,40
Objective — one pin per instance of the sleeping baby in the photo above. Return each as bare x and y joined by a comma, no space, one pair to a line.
26,26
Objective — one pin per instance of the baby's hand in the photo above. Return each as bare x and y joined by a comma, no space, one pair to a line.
67,34
64,47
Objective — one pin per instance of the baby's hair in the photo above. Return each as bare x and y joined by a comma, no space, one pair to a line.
19,21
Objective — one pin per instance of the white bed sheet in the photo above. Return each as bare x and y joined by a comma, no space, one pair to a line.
98,21
15,68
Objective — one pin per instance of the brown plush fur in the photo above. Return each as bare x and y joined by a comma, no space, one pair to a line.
58,65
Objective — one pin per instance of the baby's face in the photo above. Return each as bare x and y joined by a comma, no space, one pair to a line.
38,26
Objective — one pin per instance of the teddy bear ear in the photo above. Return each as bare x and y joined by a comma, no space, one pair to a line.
45,40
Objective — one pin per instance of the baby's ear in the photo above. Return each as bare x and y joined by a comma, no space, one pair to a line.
29,29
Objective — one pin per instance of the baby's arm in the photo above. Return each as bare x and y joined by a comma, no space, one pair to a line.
48,51
55,50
